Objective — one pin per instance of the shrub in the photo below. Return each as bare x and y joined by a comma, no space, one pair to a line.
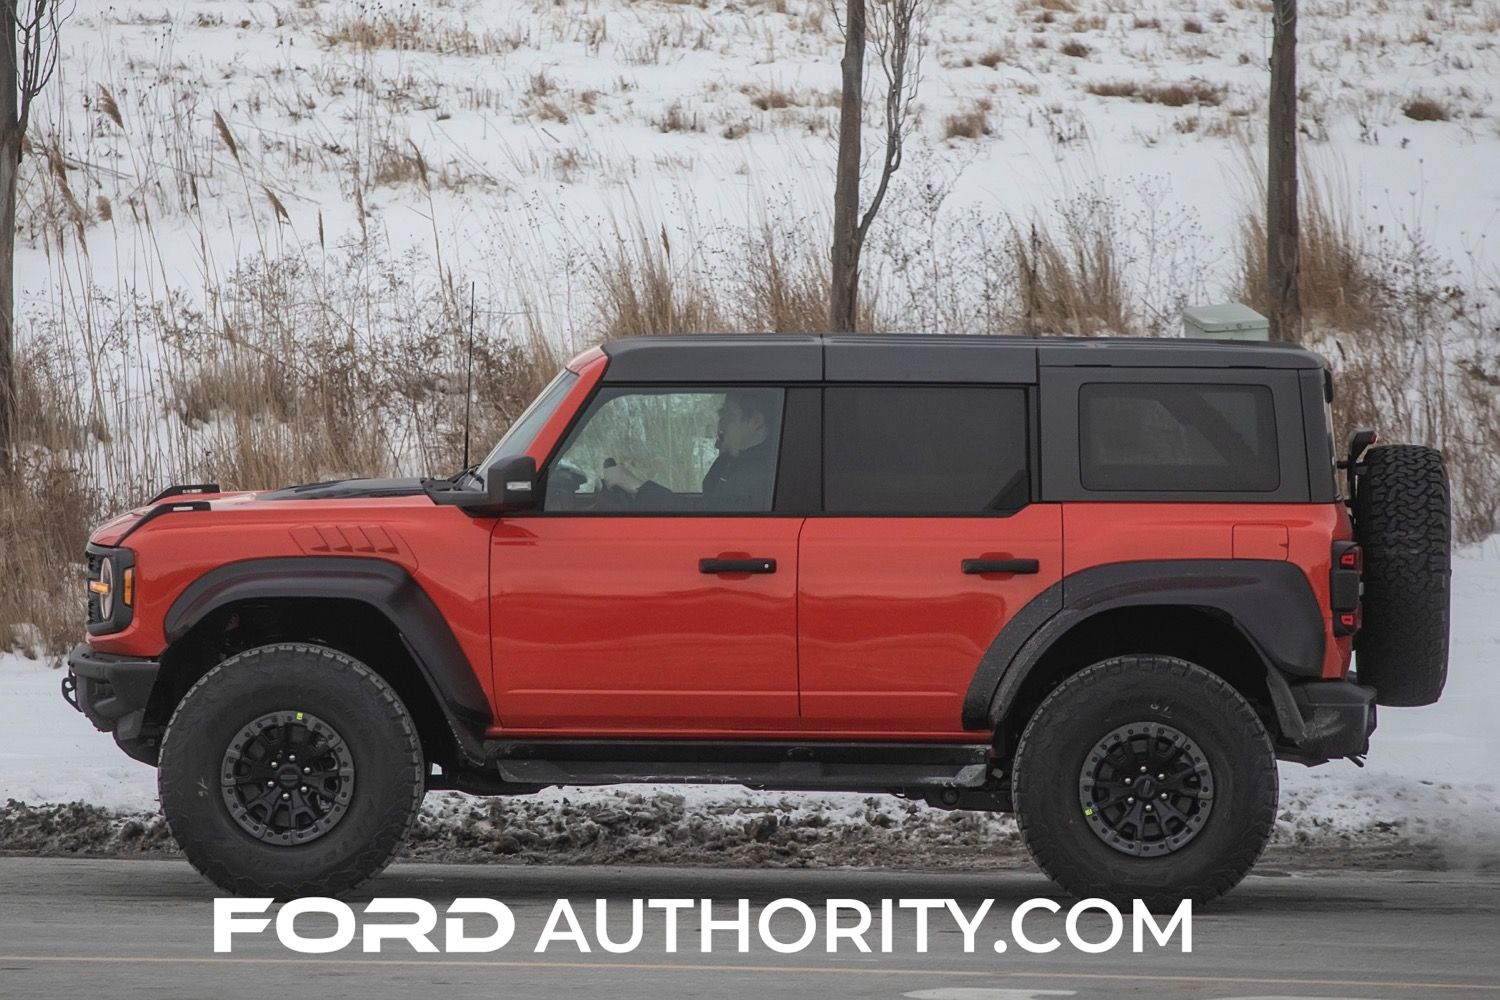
970,124
1425,109
1173,95
676,119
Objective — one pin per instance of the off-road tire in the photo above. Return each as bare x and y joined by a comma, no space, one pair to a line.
349,696
1402,521
1119,692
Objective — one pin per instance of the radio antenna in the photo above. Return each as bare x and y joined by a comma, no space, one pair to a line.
469,378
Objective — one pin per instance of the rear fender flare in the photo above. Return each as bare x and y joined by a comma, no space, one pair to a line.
1270,601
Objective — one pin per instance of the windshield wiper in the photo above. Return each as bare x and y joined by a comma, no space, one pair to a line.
457,481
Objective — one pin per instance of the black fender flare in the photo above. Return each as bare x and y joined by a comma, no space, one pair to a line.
383,585
1271,602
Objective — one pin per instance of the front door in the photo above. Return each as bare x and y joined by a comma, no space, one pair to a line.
928,546
656,588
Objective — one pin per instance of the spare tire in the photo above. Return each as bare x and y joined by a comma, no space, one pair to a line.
1402,521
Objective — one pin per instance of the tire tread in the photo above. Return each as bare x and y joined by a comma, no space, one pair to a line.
1402,521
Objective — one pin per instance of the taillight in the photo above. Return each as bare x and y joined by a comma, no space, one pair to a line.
1344,586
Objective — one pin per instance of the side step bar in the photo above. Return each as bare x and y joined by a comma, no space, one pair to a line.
780,766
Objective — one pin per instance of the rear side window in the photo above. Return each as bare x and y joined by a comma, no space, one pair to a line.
924,450
1162,437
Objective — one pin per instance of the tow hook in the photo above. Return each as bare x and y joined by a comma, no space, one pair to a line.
70,691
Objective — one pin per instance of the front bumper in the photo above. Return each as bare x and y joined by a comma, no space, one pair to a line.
113,691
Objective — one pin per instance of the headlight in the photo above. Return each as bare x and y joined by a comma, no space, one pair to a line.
104,589
111,582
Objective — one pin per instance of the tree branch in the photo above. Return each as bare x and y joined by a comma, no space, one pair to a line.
895,32
35,27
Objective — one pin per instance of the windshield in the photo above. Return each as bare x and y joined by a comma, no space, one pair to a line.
524,430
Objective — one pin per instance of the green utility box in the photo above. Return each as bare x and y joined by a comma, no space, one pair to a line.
1230,321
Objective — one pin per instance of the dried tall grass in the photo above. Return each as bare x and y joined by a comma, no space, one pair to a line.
1071,281
292,373
1339,283
1414,343
316,363
777,282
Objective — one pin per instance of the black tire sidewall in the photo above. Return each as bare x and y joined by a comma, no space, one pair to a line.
361,708
1124,691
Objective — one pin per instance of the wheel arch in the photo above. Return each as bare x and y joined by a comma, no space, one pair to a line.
1195,634
1240,619
370,609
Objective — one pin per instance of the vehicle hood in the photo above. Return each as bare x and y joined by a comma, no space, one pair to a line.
114,530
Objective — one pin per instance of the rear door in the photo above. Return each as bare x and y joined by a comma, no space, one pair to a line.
929,542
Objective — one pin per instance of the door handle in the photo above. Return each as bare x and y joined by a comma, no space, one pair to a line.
736,566
973,566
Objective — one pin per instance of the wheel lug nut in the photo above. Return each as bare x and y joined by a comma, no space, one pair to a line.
1163,795
1148,807
286,795
307,770
1161,777
304,788
270,784
1143,768
1129,781
292,757
1130,798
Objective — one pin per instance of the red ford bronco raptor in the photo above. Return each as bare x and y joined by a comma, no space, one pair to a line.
1102,584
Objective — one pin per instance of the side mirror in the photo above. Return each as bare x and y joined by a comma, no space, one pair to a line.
507,488
512,486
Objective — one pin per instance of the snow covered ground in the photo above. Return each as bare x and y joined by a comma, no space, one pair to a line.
504,139
1431,779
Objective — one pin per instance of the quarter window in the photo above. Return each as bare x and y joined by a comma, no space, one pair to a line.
924,450
1161,437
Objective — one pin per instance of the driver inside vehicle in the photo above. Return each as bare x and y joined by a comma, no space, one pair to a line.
742,476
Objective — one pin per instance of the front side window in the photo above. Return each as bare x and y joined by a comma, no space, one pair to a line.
671,451
924,450
1163,437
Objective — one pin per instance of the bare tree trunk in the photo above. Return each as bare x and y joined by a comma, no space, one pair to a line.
844,289
28,55
1282,229
10,161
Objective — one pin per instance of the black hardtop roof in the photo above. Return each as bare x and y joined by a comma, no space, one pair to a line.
907,357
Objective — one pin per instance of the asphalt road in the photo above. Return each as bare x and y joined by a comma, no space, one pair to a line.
134,928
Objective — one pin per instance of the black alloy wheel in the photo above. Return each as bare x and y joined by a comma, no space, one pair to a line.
287,777
1146,789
